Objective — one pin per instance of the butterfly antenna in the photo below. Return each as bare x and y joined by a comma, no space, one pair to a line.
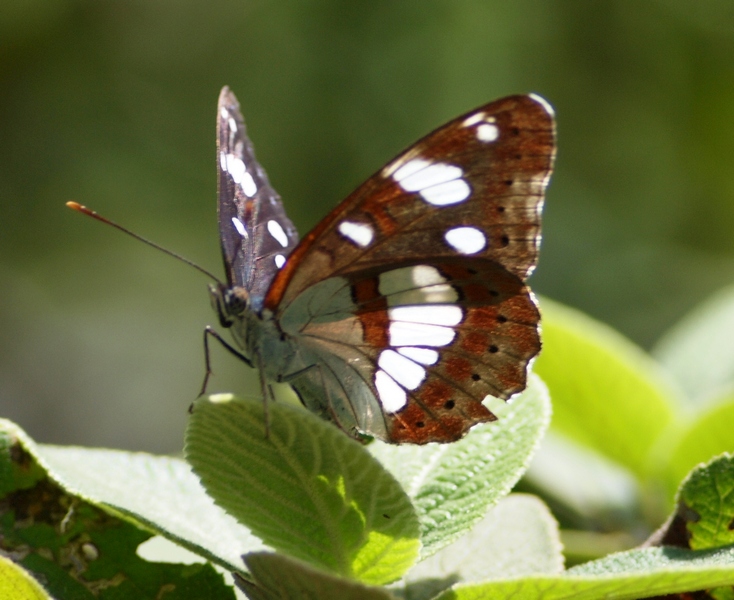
90,213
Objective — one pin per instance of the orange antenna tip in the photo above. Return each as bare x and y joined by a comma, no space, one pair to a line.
89,212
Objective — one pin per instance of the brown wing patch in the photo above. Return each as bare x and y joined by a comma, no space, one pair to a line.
440,414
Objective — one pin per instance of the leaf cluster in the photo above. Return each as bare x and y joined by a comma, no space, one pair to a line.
308,513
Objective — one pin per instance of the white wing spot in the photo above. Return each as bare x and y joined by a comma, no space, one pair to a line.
279,260
223,161
488,132
439,184
467,240
223,112
447,193
425,356
424,275
474,119
239,227
403,370
232,124
417,285
425,175
248,185
390,394
359,233
235,168
427,314
419,334
409,168
400,161
277,232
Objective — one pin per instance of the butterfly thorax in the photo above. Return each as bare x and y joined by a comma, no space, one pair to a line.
256,332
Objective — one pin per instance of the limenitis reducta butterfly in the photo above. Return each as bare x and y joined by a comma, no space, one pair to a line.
407,305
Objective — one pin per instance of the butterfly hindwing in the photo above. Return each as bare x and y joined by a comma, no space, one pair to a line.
429,342
410,296
256,235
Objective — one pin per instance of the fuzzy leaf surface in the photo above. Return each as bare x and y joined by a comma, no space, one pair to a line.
707,499
80,550
453,485
306,490
519,536
158,491
624,576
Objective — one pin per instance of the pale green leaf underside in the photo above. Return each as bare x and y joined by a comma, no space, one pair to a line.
518,536
624,576
307,490
159,491
453,485
698,351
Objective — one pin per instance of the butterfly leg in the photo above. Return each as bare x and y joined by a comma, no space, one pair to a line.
267,392
208,331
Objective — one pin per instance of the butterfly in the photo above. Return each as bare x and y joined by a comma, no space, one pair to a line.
407,304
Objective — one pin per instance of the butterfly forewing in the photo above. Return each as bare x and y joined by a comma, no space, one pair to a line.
255,233
417,280
473,187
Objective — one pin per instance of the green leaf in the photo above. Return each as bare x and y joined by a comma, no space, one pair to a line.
624,576
81,551
18,469
708,435
17,584
706,498
307,490
607,393
277,577
453,485
704,516
518,536
158,491
698,351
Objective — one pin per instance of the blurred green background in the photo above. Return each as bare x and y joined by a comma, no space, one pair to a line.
112,104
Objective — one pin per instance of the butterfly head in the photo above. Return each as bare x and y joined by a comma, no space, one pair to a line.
230,303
